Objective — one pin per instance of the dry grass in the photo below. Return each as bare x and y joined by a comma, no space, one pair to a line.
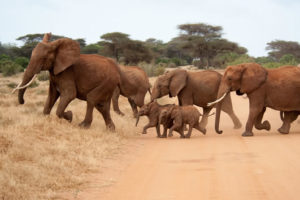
41,156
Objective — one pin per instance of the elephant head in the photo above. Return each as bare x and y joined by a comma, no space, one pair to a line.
170,83
54,56
243,78
144,110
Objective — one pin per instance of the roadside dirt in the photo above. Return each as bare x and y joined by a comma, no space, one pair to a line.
227,166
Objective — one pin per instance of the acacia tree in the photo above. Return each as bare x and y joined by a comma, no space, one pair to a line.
114,43
279,48
204,42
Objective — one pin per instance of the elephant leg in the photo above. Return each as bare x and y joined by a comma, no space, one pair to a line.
133,107
115,101
105,111
63,103
265,125
289,117
99,96
164,135
227,108
256,107
177,126
149,125
204,118
188,135
53,95
158,130
86,123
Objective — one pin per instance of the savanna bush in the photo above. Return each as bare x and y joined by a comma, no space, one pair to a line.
22,61
43,76
152,69
9,68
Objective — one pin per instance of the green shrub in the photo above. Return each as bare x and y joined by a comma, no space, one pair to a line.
288,59
271,65
9,68
159,70
43,76
12,85
244,58
33,84
22,61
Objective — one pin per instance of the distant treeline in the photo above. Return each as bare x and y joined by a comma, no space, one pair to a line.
199,44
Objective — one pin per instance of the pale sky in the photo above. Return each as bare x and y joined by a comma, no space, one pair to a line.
251,24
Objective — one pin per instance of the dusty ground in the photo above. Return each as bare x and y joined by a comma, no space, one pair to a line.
213,166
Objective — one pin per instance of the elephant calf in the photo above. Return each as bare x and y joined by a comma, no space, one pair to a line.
181,115
152,110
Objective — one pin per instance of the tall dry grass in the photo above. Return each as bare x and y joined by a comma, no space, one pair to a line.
41,156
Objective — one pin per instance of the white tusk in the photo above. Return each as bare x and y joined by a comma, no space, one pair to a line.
16,88
217,101
24,86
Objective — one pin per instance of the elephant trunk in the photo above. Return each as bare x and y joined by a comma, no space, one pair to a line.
217,121
222,93
137,119
27,79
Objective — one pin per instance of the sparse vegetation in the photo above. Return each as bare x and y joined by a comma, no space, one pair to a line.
41,156
43,76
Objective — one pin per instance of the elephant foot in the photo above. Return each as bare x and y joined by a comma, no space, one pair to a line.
85,124
163,136
119,113
265,125
111,127
247,134
237,125
144,132
68,116
170,135
283,130
187,136
182,136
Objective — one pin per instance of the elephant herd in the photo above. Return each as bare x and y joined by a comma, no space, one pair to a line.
99,81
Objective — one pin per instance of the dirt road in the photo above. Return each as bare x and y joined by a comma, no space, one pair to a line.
227,166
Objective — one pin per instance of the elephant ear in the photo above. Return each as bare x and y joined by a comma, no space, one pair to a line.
67,53
177,81
254,75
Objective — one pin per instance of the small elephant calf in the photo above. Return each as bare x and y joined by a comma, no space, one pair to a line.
181,115
152,110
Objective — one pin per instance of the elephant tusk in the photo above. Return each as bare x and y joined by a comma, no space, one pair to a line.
217,101
24,86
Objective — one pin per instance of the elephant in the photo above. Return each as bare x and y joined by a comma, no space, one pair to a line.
152,110
194,88
92,78
274,88
181,115
134,85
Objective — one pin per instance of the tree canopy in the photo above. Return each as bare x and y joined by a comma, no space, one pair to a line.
199,44
279,48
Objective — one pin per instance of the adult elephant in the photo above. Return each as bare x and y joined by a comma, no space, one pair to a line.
196,88
92,78
134,85
274,88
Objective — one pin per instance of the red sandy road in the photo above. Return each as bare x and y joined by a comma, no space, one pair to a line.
227,166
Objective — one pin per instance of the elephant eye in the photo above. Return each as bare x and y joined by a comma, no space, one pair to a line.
229,78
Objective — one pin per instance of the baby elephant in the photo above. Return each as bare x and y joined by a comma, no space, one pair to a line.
181,115
152,110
